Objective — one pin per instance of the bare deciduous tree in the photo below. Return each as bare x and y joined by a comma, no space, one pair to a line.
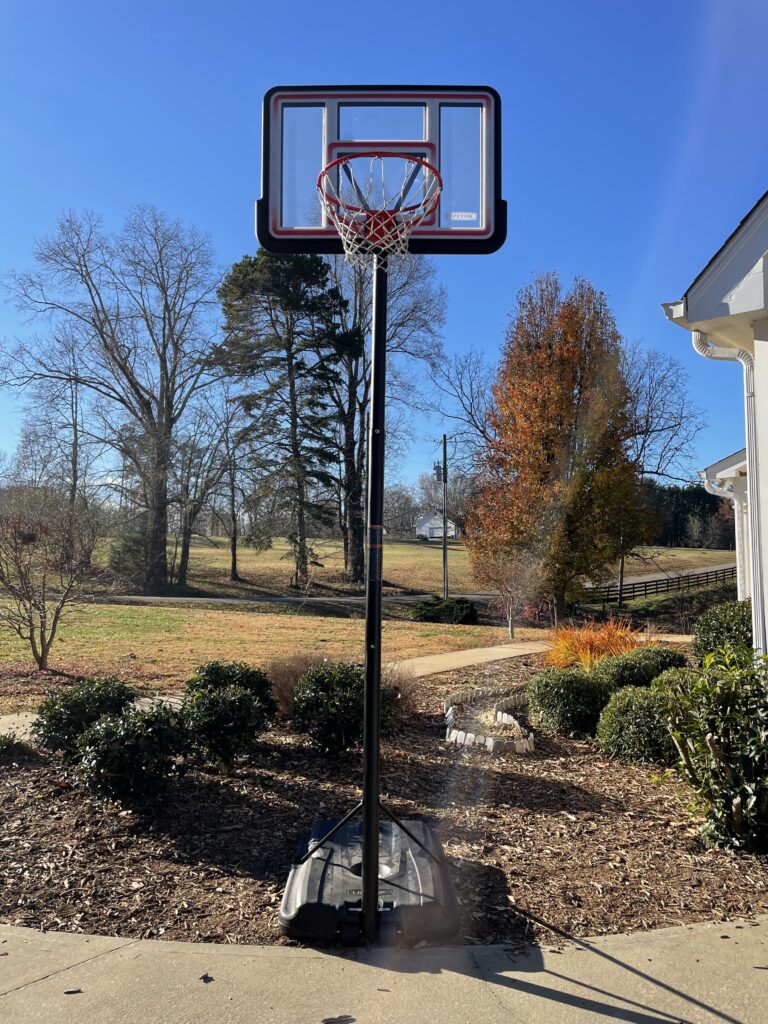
46,552
663,421
137,309
515,576
206,445
464,399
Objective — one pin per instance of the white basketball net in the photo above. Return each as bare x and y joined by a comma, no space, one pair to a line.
372,216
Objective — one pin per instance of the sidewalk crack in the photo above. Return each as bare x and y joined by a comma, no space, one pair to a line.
69,967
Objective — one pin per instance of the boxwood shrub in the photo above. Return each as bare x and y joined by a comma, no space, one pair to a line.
457,611
328,706
219,675
633,726
638,667
220,725
566,700
728,623
66,713
129,758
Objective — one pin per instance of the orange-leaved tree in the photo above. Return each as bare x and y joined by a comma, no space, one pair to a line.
557,478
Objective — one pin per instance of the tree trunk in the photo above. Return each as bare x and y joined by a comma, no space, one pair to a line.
156,570
74,452
354,519
355,529
233,573
186,541
233,535
300,574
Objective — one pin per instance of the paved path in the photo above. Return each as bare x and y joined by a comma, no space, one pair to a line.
705,974
431,664
324,600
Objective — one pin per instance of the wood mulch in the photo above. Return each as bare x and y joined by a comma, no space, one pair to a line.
562,841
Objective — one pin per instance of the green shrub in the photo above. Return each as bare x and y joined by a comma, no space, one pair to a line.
633,726
220,675
719,723
672,677
221,725
566,700
328,706
11,745
638,667
130,758
66,713
729,623
457,611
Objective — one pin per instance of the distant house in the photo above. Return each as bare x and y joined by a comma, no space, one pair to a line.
430,527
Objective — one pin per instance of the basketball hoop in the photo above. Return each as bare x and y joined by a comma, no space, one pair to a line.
374,217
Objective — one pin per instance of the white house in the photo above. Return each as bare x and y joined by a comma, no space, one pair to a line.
430,527
727,478
726,311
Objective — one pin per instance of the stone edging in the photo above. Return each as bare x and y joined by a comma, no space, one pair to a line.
502,715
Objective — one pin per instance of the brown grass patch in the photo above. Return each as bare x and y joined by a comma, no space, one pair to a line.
157,648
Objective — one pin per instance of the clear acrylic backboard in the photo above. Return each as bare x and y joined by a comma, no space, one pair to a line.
455,129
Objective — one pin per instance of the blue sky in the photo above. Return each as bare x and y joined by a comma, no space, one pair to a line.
633,140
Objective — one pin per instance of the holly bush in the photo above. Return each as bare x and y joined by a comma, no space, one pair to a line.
67,712
718,718
328,706
130,758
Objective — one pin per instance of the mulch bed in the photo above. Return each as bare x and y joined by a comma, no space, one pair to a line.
559,842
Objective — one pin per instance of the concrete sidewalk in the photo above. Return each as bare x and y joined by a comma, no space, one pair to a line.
432,664
701,974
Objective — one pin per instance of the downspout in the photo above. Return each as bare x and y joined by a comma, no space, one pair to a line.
719,492
704,348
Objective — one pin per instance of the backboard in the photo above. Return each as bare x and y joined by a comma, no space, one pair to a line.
455,129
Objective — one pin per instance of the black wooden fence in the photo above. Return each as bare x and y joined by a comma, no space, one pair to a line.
662,585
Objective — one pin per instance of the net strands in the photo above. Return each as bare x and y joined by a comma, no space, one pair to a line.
374,216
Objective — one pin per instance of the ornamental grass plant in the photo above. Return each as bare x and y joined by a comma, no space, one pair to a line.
584,646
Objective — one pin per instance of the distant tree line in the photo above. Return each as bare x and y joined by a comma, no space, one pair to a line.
687,516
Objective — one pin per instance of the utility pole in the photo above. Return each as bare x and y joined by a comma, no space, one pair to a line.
441,473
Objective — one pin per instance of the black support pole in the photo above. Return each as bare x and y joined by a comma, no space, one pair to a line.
445,518
373,604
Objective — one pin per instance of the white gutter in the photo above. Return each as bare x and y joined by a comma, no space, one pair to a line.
704,347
